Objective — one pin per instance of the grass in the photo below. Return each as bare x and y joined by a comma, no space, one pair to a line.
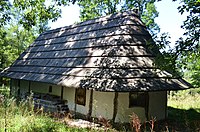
183,115
184,110
187,99
20,116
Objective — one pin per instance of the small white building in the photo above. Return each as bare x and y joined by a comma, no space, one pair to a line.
102,67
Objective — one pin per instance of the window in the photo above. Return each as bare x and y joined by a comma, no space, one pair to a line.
80,96
50,89
137,99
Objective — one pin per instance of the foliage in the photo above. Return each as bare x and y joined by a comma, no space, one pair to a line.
187,49
34,11
96,8
183,59
14,39
191,67
4,12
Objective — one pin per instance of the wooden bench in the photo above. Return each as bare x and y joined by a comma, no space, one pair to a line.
50,103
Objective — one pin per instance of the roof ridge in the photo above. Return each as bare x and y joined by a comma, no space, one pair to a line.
95,20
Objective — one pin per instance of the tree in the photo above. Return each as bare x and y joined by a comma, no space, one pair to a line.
187,49
184,58
34,11
4,12
147,10
15,34
14,39
21,21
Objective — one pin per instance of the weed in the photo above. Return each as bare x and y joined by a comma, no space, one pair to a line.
135,122
152,124
106,123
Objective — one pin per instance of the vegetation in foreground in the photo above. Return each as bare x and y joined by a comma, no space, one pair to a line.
20,117
183,113
184,110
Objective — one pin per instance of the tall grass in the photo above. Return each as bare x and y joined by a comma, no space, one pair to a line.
20,116
186,99
184,109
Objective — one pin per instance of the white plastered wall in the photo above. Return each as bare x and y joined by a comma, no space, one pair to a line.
124,112
102,101
44,88
69,95
103,104
157,104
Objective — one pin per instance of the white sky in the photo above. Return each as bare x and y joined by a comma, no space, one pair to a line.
169,19
70,15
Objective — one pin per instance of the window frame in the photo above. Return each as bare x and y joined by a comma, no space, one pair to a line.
140,99
80,96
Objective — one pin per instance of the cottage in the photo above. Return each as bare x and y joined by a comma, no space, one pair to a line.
101,67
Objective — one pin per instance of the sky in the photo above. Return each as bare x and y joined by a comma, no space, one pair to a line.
169,19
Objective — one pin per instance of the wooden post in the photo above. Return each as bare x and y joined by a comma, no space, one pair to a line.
11,88
115,108
90,104
147,105
75,105
61,96
29,87
18,90
166,105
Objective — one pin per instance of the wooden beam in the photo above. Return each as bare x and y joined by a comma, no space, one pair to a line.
115,108
90,105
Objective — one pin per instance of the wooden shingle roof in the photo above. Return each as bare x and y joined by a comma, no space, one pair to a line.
110,53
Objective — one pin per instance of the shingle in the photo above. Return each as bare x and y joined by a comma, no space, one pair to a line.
111,53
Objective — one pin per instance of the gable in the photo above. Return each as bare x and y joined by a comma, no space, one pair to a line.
110,53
